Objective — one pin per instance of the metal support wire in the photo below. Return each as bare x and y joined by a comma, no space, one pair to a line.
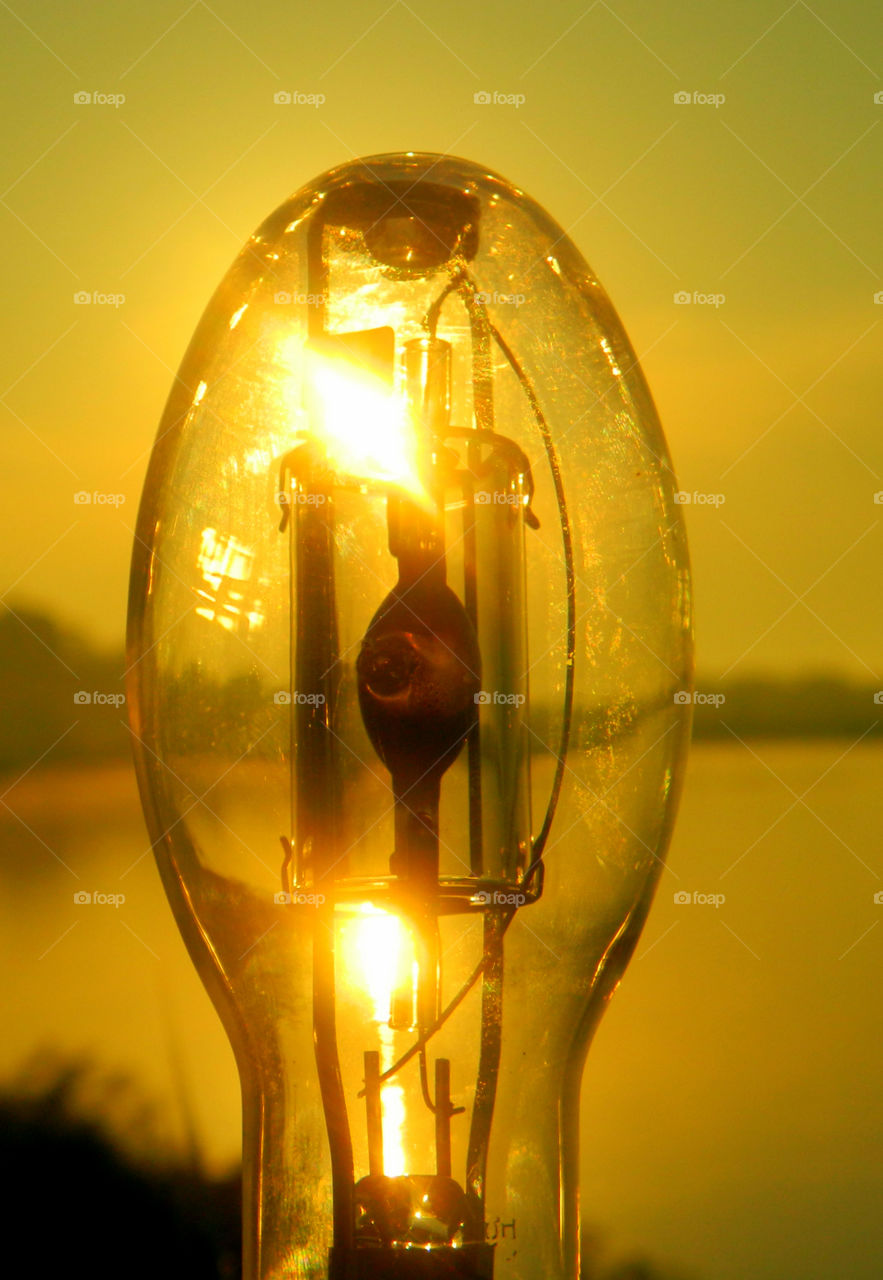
489,1055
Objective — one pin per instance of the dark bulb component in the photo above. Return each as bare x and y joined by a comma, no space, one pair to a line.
414,227
418,672
391,666
417,1210
411,242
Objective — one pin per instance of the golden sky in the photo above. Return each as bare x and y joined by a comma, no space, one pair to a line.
764,189
760,199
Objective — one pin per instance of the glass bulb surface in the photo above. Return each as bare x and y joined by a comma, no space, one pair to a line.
409,614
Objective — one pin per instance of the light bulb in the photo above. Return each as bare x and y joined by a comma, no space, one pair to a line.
409,645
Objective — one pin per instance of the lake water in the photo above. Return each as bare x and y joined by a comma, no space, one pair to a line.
732,1121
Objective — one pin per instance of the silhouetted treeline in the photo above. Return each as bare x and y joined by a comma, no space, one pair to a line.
804,707
63,700
46,674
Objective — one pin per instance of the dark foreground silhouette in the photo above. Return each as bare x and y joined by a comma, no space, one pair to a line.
77,1203
82,1196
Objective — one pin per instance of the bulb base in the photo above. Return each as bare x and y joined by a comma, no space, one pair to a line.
473,1261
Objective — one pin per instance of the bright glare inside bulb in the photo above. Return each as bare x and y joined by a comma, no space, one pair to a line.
225,565
377,954
392,1105
365,430
377,961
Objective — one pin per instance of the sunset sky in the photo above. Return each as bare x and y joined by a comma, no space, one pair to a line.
726,154
765,190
